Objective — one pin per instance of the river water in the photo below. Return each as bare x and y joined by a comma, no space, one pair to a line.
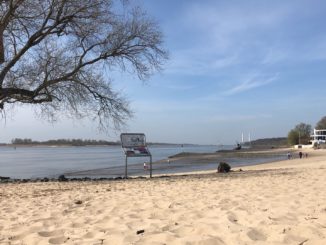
100,161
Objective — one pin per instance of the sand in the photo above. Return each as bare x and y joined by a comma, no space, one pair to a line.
278,203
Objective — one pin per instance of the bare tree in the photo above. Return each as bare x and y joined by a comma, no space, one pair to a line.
321,123
57,55
300,134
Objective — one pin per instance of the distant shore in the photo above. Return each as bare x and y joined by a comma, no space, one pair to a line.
76,142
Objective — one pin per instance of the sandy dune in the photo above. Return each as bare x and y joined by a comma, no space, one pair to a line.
278,203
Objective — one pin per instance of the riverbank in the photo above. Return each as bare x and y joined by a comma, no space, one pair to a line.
277,203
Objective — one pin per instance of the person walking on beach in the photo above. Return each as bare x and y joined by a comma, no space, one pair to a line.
300,154
289,155
145,166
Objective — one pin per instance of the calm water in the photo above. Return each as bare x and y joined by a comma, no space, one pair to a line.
102,161
35,162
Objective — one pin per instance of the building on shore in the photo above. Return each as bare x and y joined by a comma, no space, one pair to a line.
319,136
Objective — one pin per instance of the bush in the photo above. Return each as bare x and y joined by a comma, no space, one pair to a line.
223,167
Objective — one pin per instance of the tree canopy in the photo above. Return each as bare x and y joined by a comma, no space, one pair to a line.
57,55
300,134
321,123
69,142
293,137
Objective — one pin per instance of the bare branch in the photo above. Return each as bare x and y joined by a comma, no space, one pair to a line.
2,51
53,52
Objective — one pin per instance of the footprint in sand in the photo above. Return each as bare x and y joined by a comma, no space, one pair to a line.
256,235
211,241
183,231
50,233
34,229
232,217
225,204
77,225
89,235
58,240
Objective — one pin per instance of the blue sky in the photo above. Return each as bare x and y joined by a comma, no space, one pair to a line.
255,67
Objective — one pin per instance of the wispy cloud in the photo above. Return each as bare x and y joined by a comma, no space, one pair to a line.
199,61
275,55
163,107
226,26
224,36
253,82
312,49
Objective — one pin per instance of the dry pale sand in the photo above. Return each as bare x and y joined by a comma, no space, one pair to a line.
278,203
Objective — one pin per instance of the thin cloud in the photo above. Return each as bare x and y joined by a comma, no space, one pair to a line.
225,25
276,55
199,62
224,36
252,83
313,49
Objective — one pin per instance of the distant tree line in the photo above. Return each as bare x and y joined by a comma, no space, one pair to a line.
75,142
68,142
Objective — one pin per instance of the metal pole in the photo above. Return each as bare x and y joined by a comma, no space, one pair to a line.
126,171
150,164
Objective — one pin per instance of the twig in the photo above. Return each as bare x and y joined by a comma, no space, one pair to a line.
301,243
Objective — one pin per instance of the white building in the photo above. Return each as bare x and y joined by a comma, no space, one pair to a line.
319,136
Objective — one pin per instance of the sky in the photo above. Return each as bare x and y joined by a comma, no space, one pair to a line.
235,67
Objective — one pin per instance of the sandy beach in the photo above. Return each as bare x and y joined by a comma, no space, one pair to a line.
277,203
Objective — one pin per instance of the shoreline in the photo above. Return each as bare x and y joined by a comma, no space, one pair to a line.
184,159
